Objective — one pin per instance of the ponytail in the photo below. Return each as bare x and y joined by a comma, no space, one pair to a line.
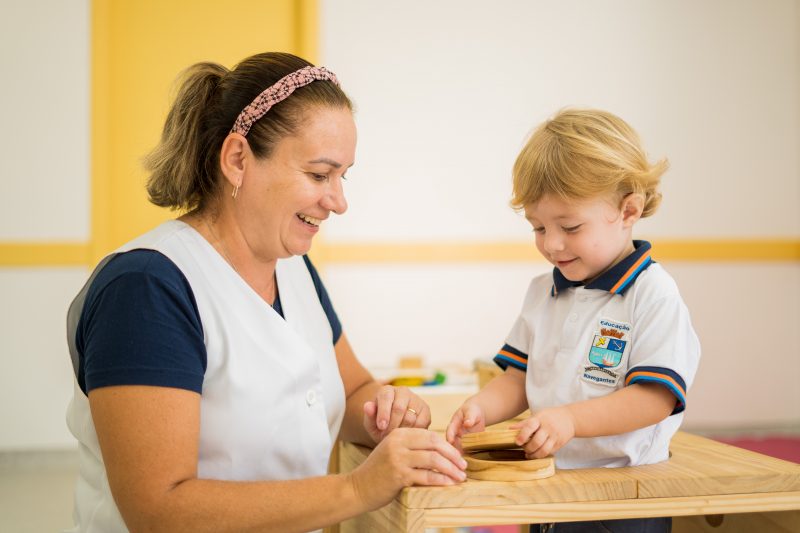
182,165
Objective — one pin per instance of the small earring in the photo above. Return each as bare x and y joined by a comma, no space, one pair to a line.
235,192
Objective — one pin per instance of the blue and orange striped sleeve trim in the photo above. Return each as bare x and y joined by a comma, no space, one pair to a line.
510,356
662,376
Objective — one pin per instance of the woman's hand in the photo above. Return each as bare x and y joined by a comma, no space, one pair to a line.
468,419
545,432
394,407
405,457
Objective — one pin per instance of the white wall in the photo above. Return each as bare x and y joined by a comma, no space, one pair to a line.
36,382
44,102
446,93
746,316
44,149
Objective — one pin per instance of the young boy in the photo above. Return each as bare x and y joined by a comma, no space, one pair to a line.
603,350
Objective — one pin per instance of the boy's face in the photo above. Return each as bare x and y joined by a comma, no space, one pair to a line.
583,238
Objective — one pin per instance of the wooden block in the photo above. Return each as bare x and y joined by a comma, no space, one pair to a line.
497,439
507,465
410,361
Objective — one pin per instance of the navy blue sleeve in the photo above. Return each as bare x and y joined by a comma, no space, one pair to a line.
140,326
325,300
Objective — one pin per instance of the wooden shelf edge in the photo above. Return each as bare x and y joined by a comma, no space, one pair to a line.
614,509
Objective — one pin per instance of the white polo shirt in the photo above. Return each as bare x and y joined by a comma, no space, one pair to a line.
579,342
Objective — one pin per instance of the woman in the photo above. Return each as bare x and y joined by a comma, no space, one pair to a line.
213,375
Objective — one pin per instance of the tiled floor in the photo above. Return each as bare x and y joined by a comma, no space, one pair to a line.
36,491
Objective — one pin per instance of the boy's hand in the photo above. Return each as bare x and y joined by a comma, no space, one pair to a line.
545,432
469,418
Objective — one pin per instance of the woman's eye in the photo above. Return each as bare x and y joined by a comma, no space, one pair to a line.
319,177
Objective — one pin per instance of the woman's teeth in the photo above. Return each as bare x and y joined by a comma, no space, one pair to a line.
309,220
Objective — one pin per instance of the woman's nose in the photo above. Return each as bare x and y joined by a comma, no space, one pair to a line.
334,199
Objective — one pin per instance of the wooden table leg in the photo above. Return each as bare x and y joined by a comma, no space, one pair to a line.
394,517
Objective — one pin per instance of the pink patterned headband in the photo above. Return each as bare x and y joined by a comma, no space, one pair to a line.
277,93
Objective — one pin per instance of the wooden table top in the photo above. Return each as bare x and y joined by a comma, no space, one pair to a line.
698,467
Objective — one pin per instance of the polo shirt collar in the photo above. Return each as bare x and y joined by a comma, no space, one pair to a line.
618,279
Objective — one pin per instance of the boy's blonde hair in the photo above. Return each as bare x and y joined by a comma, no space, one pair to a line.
585,153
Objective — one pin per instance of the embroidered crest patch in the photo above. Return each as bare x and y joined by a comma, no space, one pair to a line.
606,352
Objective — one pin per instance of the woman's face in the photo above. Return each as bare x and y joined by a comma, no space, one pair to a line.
285,198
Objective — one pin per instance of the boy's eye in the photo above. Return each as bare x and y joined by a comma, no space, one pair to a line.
538,230
572,229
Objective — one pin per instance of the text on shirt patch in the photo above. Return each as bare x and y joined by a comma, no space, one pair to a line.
606,352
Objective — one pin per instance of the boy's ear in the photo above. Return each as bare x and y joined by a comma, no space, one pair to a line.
632,206
232,158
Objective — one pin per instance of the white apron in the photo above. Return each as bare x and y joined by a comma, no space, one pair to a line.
273,398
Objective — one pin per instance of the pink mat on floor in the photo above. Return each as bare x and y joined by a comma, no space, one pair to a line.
786,448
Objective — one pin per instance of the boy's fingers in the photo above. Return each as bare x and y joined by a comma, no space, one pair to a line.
471,416
453,427
542,451
526,430
538,440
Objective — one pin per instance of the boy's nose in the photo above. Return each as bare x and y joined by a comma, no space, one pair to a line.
553,243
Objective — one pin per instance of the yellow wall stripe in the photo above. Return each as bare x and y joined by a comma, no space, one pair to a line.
727,250
663,250
26,254
772,250
423,253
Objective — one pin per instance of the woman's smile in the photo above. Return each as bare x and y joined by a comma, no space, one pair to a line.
308,220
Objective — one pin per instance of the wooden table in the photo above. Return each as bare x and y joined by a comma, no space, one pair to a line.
706,486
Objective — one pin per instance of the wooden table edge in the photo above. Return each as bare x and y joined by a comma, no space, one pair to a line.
611,509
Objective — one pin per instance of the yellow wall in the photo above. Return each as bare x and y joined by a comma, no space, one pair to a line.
138,47
137,50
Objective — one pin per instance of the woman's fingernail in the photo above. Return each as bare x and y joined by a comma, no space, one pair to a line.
463,463
382,424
